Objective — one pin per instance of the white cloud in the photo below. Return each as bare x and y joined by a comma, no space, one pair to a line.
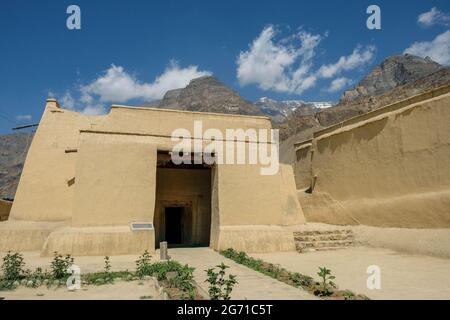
68,101
23,117
433,17
281,66
94,110
438,49
287,65
338,84
116,85
359,57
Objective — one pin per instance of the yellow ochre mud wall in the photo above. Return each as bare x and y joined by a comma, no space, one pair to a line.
390,167
86,179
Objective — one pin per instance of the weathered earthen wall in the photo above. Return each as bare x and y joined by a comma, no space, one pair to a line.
44,192
115,181
254,209
97,175
391,169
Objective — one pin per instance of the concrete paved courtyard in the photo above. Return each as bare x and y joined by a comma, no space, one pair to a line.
251,284
403,276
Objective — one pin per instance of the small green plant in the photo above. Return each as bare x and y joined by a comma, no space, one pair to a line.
326,286
181,280
107,265
12,271
348,295
109,277
220,287
99,278
274,270
60,266
145,297
143,265
300,280
38,276
178,278
12,267
241,257
184,281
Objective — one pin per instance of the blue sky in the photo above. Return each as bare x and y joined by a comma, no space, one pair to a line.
131,51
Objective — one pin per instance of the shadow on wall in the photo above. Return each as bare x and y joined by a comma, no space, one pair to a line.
5,208
390,169
365,132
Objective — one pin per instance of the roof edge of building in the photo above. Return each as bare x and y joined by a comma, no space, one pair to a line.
118,106
421,97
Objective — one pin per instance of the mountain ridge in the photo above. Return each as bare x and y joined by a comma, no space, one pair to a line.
206,94
279,110
395,78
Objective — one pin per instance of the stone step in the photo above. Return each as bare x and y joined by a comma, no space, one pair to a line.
322,232
320,244
320,249
320,240
327,237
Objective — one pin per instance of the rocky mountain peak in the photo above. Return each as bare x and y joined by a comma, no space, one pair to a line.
207,94
394,71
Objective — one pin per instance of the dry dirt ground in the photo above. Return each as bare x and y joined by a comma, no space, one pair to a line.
252,285
403,276
120,290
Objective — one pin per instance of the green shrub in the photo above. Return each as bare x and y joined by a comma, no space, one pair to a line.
7,285
184,281
220,288
107,265
12,271
38,276
108,276
348,295
60,266
99,278
274,271
12,267
326,286
144,265
300,280
160,269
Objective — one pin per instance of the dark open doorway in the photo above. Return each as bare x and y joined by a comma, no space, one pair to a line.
174,217
183,204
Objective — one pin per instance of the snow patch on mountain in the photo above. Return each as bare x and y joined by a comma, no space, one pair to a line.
278,110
